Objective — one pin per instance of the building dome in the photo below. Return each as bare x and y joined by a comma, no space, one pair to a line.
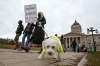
76,27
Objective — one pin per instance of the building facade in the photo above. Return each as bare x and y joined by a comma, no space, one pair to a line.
80,38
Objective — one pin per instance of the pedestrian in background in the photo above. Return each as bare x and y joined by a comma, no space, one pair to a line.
27,33
19,30
78,47
74,45
63,43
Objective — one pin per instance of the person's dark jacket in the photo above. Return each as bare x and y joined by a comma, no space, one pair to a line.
62,39
74,44
42,20
29,28
20,28
38,34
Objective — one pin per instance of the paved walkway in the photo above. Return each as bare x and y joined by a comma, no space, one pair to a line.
10,57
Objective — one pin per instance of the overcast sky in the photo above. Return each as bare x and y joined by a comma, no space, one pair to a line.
59,14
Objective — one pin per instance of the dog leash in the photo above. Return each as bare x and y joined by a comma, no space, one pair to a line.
43,30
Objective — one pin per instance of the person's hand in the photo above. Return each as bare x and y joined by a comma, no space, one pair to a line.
40,24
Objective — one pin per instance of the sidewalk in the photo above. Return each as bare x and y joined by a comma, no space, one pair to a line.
20,58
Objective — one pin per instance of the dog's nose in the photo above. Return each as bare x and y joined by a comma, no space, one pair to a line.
49,53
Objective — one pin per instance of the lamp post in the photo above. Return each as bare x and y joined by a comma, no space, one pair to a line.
91,29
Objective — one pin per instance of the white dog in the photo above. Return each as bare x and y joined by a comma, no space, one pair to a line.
52,48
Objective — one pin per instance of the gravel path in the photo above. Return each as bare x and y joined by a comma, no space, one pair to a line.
10,57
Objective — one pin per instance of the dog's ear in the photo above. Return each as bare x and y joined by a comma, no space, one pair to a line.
58,43
60,49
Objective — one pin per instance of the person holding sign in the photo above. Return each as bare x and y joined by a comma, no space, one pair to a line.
39,34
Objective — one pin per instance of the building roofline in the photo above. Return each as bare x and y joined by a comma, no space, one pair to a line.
93,34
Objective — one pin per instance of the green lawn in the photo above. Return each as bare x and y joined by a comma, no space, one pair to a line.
36,49
3,46
93,59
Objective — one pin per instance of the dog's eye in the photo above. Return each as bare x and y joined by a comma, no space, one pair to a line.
48,46
53,47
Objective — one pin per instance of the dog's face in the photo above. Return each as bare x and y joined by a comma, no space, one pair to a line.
50,46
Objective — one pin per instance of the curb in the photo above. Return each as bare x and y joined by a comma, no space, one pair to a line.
83,61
